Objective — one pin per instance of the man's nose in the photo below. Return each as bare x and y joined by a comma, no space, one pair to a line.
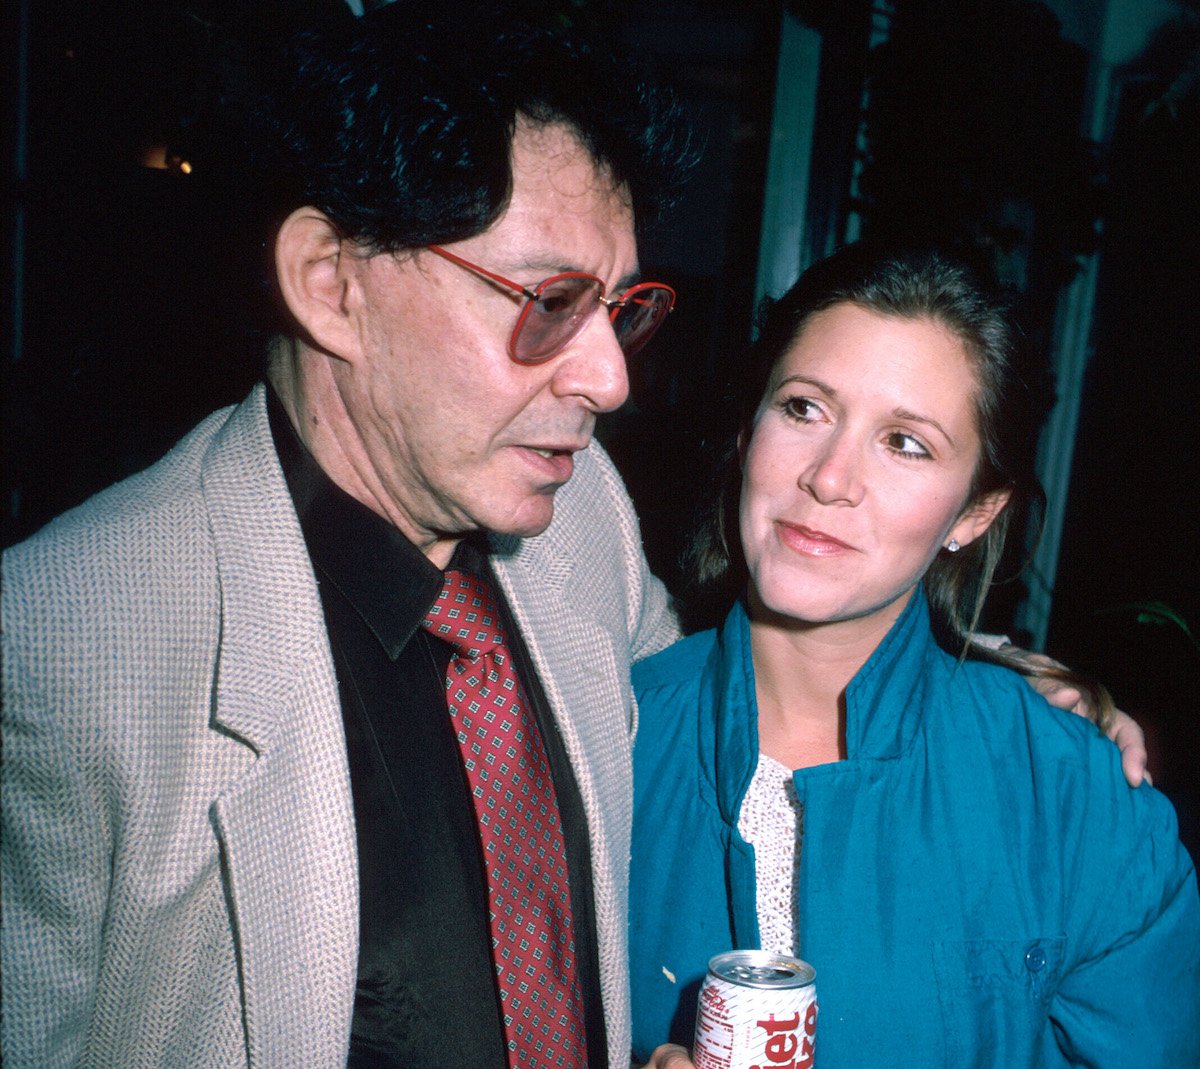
593,367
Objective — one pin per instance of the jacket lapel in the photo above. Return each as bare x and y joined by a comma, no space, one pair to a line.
584,671
558,596
287,826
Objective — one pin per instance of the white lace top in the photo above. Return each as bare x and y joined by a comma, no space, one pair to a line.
771,820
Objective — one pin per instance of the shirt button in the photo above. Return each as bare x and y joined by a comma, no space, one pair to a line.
1035,959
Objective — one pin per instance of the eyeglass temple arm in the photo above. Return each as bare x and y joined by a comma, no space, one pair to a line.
507,283
611,303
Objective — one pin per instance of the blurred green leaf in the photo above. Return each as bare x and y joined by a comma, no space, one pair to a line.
1158,613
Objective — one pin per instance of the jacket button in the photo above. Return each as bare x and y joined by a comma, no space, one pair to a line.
1035,959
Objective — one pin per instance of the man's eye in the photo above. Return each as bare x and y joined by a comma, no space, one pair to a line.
555,302
567,298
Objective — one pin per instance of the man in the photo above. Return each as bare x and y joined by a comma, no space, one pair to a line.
239,823
226,727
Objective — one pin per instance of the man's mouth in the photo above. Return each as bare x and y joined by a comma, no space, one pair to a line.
555,466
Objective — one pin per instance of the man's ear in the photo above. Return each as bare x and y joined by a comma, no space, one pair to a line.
313,281
978,517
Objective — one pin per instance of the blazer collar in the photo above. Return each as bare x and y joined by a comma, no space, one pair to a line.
272,634
580,648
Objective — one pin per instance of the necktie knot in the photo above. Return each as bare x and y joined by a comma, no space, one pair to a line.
465,615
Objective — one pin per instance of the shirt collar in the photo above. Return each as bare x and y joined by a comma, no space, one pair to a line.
389,582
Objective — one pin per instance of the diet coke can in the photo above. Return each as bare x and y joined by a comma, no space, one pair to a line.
757,1010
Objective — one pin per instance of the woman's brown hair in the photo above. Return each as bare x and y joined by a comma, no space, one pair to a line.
905,283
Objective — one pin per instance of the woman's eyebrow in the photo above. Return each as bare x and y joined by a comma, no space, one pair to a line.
824,387
929,421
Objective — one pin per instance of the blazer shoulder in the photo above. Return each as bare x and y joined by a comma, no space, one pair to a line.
99,560
596,483
132,502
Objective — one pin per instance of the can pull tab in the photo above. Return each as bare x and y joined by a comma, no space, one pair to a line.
760,974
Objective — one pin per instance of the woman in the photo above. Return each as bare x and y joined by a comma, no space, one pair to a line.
837,773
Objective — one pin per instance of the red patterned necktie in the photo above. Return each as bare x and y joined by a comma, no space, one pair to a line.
533,946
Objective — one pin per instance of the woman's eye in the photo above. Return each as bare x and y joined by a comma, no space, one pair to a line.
802,408
906,445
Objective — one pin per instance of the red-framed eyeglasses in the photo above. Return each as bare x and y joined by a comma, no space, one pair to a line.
558,308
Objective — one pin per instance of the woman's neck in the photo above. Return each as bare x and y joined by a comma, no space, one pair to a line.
801,672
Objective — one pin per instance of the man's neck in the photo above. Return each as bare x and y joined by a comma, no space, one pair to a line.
304,382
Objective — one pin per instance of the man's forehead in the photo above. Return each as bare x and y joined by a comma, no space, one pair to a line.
554,154
565,212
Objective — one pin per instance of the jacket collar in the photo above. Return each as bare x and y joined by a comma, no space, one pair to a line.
581,654
883,703
272,634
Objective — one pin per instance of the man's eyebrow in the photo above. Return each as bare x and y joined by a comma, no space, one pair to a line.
621,285
544,267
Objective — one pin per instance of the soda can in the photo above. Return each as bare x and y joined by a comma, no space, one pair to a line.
756,1010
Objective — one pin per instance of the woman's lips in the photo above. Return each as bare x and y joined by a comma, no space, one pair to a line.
811,542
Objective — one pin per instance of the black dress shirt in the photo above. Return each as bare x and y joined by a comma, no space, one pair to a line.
426,992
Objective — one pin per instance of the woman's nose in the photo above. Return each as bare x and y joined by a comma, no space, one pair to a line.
834,475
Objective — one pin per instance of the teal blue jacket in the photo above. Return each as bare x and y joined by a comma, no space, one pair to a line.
978,884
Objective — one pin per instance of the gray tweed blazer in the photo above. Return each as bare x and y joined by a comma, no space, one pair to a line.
179,869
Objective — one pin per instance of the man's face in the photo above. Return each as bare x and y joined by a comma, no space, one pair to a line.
447,433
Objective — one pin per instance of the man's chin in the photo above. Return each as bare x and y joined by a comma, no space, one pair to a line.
530,519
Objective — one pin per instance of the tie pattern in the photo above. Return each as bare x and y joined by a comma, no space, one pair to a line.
533,943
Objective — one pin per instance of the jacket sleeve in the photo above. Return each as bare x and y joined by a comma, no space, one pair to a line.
1134,997
656,626
54,862
653,624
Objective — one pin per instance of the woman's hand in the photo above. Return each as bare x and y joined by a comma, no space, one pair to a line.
670,1056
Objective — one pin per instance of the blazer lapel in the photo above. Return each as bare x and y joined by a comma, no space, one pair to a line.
287,826
584,669
583,664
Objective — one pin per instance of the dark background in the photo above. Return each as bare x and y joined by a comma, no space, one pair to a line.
127,266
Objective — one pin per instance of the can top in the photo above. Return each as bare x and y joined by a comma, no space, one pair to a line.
762,969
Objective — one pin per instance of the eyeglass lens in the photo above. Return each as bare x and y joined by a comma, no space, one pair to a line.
562,307
551,320
640,316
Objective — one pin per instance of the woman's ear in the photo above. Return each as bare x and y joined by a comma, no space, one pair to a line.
743,440
979,516
309,255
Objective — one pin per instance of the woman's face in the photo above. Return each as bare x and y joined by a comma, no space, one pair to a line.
859,466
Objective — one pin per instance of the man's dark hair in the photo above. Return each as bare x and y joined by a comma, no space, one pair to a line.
398,125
